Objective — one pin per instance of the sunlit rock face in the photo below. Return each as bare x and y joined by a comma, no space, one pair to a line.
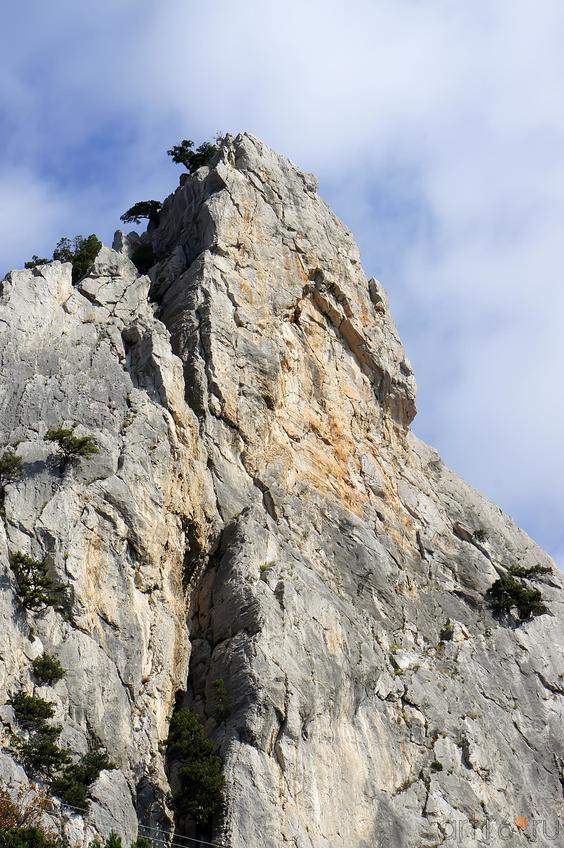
259,514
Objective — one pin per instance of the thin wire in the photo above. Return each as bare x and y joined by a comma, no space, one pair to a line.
179,836
157,830
155,841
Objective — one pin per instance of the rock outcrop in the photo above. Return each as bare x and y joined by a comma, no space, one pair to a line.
261,516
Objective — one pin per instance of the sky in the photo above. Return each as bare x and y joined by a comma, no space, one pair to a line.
436,128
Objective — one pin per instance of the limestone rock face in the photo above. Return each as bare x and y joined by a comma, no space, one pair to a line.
114,528
260,520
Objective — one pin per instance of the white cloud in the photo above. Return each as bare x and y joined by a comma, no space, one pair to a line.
30,211
437,129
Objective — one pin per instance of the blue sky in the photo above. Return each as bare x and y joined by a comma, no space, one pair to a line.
437,131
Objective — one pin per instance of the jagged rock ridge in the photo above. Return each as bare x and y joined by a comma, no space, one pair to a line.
260,514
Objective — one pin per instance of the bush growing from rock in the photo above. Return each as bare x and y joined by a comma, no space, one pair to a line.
72,785
40,753
183,154
221,700
31,712
142,842
71,447
509,592
10,467
29,837
81,252
20,821
35,261
42,756
65,249
47,668
36,589
529,573
200,769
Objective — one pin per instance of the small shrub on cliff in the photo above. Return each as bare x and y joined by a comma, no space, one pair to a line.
72,785
144,209
222,707
20,821
183,154
39,751
142,842
65,249
36,589
81,252
47,669
41,755
31,712
509,592
114,841
35,261
200,772
10,467
529,573
71,447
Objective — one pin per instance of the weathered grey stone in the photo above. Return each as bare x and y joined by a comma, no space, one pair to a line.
260,514
113,527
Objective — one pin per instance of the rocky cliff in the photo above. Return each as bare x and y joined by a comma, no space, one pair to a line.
260,517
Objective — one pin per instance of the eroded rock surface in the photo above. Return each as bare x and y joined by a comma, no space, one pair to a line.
260,515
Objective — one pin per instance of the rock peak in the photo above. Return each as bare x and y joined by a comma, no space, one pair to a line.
262,540
285,257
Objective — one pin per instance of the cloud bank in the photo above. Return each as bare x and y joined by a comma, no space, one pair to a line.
437,131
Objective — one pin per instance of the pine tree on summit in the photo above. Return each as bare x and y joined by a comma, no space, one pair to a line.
144,209
183,154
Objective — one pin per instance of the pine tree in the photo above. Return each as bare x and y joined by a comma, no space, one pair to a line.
144,209
71,447
36,589
10,467
183,154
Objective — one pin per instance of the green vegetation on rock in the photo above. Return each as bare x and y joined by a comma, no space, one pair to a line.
81,252
38,751
143,209
222,707
200,769
10,467
183,154
70,446
35,261
511,592
72,785
36,589
47,669
20,821
31,712
42,757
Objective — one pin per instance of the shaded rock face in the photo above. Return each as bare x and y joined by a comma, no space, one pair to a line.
261,522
